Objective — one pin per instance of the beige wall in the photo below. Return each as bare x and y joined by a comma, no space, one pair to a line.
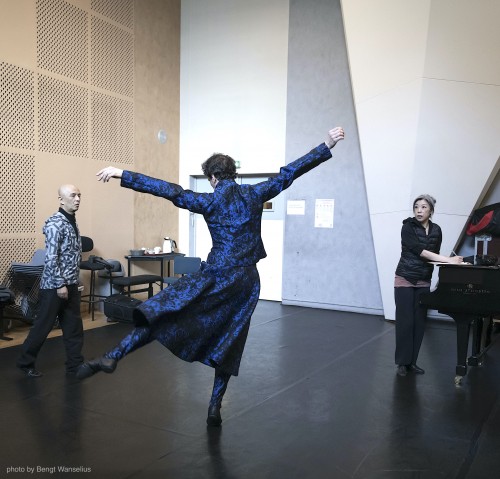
82,85
157,70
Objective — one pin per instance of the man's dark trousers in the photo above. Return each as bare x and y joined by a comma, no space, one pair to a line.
52,307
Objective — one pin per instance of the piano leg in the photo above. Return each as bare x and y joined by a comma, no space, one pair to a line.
488,331
463,322
481,339
477,337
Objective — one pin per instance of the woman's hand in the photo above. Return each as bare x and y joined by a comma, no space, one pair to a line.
107,173
439,258
334,135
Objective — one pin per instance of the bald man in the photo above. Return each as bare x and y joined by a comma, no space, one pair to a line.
59,296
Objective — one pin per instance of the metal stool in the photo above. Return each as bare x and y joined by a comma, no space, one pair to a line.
93,266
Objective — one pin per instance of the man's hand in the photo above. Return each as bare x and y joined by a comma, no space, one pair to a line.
334,135
107,173
62,292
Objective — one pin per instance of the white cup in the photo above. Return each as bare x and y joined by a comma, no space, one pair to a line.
157,250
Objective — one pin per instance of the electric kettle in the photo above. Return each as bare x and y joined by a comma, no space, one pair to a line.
169,245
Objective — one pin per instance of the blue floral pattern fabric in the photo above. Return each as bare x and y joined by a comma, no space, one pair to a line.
205,316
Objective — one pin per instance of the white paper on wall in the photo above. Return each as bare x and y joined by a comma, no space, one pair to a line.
323,213
296,207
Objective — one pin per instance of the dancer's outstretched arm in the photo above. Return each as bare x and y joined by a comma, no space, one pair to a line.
334,136
109,172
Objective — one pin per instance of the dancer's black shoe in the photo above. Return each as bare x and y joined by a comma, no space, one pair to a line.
89,368
214,418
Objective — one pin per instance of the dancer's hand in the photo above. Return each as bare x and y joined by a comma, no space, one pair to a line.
334,135
107,173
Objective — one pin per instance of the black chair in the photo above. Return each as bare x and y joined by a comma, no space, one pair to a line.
93,266
114,271
125,283
6,297
23,279
183,265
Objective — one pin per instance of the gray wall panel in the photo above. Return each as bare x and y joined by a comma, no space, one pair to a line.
329,268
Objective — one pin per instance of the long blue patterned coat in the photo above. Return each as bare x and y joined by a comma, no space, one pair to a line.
205,316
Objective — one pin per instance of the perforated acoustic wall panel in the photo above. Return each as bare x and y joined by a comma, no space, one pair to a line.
63,117
120,11
112,58
17,190
72,95
14,249
17,171
17,107
112,129
62,39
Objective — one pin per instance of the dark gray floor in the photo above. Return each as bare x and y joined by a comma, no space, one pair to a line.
317,397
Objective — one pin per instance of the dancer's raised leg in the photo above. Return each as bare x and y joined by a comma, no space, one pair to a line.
137,338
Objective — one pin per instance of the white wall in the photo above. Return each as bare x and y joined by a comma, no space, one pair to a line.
233,88
425,76
426,83
233,82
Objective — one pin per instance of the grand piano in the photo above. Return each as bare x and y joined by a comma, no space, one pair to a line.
470,294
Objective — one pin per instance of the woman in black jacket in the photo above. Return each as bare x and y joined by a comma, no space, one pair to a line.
420,244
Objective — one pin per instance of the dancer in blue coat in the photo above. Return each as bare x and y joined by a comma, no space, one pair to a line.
205,316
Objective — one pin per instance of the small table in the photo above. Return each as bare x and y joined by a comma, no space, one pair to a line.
162,257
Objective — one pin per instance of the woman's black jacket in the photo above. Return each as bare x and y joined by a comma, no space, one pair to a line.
414,240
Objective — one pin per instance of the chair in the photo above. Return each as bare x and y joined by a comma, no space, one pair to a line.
126,283
91,265
24,281
6,297
38,258
109,275
183,265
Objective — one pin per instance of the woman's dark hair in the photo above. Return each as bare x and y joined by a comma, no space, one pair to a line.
221,166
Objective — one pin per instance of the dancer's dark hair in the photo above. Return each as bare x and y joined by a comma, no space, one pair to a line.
223,167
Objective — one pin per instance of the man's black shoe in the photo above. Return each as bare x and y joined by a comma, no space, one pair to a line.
89,368
415,369
31,372
214,419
